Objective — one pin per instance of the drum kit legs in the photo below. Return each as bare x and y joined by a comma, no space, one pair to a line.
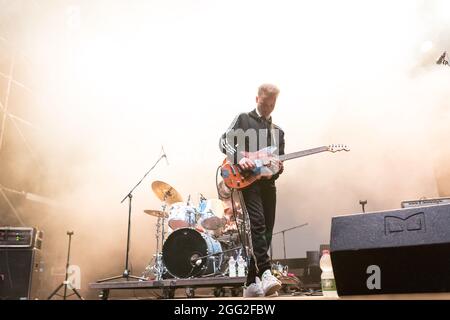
156,266
159,268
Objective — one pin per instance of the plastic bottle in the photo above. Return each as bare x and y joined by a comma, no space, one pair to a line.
327,277
232,267
241,266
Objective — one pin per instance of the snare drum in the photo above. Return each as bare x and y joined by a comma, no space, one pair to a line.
182,216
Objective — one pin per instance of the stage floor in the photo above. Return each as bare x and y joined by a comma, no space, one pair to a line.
210,289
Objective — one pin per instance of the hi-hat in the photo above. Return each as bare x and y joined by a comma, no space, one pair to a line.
157,213
166,193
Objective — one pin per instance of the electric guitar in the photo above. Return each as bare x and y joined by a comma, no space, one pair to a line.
266,164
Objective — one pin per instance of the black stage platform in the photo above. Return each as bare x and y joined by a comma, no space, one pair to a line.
168,286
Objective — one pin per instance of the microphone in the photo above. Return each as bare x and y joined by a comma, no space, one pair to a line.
164,155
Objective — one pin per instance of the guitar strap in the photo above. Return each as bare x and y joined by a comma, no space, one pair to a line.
274,141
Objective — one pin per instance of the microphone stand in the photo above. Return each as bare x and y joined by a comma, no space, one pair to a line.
363,204
126,273
66,282
284,242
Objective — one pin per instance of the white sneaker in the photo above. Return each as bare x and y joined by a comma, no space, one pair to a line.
275,294
270,284
254,289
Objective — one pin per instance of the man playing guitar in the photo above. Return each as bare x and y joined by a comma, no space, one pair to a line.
251,132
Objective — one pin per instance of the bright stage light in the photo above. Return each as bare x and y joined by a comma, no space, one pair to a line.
426,46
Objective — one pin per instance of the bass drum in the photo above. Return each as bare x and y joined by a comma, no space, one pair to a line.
182,252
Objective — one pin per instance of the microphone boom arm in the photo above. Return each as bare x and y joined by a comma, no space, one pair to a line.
140,181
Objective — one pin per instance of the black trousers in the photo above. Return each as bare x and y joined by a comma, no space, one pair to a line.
260,201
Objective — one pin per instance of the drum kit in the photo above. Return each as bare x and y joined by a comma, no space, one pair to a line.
200,238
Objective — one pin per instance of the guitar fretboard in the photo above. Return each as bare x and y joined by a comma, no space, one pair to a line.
303,153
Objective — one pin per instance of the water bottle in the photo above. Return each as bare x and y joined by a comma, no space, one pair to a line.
327,277
232,267
241,266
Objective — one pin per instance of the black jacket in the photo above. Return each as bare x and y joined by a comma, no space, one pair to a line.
250,132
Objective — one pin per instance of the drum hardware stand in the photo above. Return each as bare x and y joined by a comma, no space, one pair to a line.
126,273
188,200
158,267
284,240
66,283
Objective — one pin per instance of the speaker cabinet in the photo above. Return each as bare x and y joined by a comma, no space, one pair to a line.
19,273
398,251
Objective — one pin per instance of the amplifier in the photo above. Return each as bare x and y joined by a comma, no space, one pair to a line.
20,237
424,202
21,272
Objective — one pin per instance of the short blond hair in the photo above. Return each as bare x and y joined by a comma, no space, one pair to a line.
268,89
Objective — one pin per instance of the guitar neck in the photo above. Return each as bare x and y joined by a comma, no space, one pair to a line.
303,153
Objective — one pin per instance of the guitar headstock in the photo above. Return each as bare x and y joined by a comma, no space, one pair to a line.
338,147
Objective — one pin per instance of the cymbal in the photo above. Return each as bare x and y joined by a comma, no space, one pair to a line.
165,192
157,213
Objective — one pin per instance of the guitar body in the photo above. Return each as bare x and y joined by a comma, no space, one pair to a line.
266,166
266,162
